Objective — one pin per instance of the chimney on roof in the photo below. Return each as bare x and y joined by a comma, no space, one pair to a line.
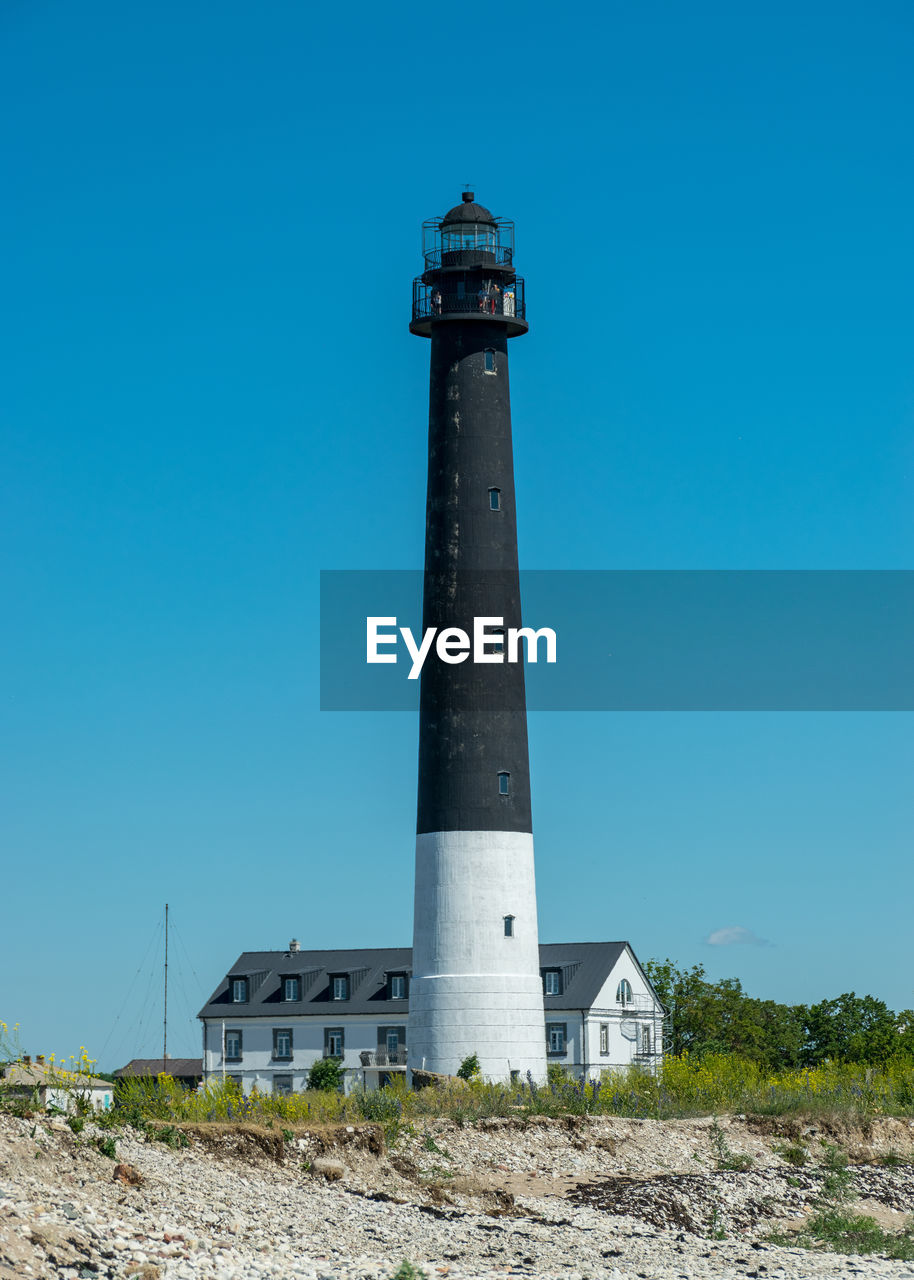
27,1059
293,945
39,1058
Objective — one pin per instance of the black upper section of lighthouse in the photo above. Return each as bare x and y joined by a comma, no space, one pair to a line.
473,763
469,271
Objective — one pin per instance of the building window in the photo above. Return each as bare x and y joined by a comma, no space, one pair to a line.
233,1046
495,499
555,1037
391,1046
504,783
398,986
515,1076
552,982
282,1044
604,1037
333,1042
340,986
645,1039
282,1085
509,926
239,990
624,992
490,360
291,989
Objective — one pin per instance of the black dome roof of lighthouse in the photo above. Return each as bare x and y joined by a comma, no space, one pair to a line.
468,211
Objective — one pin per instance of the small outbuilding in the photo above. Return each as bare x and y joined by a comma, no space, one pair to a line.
54,1087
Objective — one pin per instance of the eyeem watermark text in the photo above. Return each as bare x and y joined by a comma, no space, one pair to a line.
490,642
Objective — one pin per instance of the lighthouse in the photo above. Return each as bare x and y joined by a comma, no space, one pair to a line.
476,986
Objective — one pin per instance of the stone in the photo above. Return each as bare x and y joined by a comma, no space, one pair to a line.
127,1175
331,1170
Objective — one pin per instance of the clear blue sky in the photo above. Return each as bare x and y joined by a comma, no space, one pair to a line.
210,226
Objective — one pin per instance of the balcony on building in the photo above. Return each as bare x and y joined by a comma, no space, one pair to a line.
385,1059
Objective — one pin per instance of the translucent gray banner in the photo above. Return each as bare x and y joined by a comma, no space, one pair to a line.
644,641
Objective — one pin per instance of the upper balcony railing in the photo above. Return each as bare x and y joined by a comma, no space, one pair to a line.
430,301
455,244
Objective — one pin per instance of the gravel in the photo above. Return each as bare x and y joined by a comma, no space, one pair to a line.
597,1197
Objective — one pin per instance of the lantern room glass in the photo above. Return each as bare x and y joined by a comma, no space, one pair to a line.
457,236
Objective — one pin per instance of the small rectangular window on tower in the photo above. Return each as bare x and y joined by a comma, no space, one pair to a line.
504,783
509,926
495,499
490,360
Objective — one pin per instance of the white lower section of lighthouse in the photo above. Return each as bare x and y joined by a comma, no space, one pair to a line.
476,986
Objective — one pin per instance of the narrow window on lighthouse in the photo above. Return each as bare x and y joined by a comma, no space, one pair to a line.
504,780
495,642
509,926
495,499
490,360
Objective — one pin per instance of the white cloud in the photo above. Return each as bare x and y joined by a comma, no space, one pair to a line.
735,933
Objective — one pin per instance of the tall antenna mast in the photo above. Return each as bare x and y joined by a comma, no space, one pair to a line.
165,1017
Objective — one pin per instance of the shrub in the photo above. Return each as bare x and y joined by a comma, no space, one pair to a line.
792,1153
469,1068
326,1074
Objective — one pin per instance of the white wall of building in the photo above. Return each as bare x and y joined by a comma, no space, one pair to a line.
258,1066
625,1025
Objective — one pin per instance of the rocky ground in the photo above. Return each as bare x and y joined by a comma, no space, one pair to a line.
574,1198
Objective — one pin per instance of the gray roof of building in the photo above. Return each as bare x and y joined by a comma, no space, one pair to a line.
153,1066
585,967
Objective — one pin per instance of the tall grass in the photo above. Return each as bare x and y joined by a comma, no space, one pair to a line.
687,1087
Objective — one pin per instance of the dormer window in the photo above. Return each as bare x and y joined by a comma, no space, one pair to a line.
624,992
397,986
239,990
339,986
552,982
291,989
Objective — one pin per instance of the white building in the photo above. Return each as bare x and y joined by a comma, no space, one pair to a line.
55,1087
276,1013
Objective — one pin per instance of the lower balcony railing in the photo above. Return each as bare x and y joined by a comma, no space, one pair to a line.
429,301
383,1058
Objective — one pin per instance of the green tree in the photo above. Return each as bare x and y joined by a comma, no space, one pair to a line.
469,1067
326,1074
852,1028
718,1017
